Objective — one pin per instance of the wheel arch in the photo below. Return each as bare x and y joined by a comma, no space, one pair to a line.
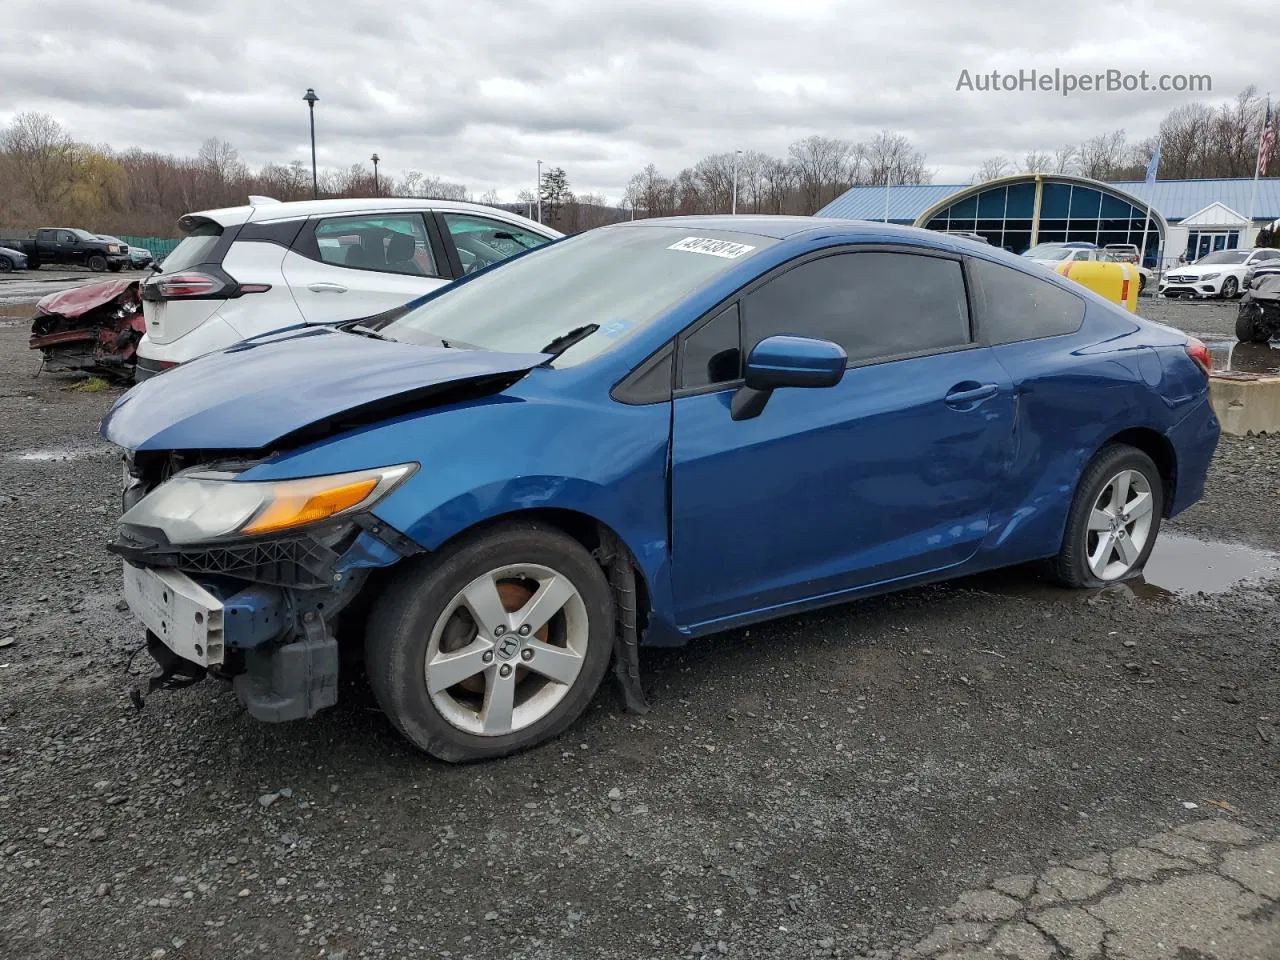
1161,451
591,532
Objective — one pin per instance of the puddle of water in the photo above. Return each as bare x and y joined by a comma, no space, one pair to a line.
1182,564
1229,356
1178,566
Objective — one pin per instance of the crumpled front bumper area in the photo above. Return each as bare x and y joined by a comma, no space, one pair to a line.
259,612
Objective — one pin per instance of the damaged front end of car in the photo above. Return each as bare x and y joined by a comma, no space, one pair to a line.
91,329
247,581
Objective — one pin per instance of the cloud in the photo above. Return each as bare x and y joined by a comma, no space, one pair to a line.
478,92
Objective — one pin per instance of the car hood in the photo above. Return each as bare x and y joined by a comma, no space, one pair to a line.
262,390
1219,268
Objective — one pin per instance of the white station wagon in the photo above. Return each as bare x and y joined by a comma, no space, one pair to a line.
241,272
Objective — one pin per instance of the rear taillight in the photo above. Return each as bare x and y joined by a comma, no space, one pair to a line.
192,284
195,284
1198,352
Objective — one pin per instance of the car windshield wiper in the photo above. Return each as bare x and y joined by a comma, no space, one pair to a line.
566,340
369,332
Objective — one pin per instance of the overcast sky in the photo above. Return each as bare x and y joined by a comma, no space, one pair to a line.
477,91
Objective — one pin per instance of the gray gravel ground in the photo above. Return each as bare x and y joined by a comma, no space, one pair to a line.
828,785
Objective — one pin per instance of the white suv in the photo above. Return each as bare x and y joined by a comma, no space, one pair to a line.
245,271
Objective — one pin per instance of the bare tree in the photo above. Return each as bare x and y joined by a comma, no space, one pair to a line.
992,168
650,194
818,162
1037,161
490,198
1101,157
779,178
1184,133
714,177
1064,159
1234,134
416,184
890,158
40,157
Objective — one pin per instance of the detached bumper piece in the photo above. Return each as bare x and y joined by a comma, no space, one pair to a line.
294,681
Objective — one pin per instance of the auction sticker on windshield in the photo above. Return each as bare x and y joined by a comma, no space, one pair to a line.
716,248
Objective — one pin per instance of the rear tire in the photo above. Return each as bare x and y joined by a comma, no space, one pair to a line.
97,263
1120,498
1249,328
421,623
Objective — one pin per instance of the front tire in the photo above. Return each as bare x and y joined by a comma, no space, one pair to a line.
1114,520
1230,287
5,264
493,644
1249,327
97,263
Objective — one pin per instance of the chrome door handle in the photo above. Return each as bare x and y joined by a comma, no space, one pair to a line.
324,286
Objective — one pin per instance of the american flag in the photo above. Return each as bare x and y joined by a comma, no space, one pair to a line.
1268,137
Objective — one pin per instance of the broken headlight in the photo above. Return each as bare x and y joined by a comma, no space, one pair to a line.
202,505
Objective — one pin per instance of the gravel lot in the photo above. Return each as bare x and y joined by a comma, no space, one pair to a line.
848,783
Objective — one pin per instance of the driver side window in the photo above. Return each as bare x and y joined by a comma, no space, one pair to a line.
481,241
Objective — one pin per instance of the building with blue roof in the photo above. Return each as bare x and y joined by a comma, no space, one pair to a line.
1169,218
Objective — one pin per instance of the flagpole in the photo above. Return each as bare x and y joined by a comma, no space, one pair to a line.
1142,257
1257,163
1150,181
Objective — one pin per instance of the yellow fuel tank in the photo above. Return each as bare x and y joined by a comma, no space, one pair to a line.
1118,282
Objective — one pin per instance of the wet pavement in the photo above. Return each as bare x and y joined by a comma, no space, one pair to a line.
1179,566
1231,356
28,286
1208,890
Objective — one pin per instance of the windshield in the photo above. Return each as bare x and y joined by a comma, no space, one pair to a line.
1048,251
83,234
1224,256
580,296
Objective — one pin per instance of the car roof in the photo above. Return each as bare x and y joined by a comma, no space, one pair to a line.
790,227
266,212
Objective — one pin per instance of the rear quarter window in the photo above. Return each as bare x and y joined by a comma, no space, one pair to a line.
1015,306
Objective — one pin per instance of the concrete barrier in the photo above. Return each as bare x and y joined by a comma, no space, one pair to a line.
1246,403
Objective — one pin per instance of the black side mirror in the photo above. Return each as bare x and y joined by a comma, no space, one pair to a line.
783,361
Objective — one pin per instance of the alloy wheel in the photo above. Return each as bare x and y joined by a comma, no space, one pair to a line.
506,649
1119,525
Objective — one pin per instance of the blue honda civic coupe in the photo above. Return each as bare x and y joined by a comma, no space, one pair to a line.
640,435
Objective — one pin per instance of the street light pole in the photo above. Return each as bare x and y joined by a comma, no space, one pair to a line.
734,210
375,158
311,98
539,191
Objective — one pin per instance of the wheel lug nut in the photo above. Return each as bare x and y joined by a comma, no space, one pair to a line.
499,630
526,654
524,631
488,656
505,670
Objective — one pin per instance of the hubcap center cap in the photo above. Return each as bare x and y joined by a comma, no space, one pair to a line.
507,646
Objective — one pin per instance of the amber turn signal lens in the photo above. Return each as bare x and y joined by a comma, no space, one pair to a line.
295,508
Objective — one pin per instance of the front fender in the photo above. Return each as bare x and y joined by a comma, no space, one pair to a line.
518,451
